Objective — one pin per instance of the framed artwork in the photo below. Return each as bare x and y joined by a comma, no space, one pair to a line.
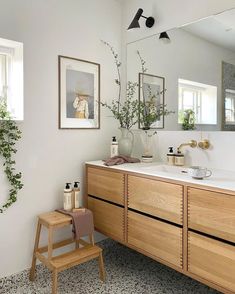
79,93
152,93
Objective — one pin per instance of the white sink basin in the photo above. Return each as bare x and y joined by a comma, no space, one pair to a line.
166,169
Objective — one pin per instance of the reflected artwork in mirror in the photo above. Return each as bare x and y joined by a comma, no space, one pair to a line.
151,94
198,66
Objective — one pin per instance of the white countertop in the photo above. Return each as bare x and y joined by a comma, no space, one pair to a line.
221,179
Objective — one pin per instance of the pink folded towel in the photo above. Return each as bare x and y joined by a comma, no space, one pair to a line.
120,159
83,224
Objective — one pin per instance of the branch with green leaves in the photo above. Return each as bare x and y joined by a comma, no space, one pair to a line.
125,112
9,135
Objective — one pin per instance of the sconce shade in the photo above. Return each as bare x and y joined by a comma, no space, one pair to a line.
164,37
135,22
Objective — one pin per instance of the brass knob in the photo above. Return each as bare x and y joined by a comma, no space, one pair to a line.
204,144
193,143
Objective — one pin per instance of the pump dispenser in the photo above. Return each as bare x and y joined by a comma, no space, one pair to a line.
77,195
114,147
171,156
68,197
179,159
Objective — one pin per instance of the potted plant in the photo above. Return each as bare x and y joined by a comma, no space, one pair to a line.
189,119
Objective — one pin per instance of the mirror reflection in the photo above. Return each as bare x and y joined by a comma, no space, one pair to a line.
197,64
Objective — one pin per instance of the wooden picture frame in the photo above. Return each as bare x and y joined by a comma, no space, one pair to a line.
79,93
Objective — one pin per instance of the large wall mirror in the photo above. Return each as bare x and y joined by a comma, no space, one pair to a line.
197,65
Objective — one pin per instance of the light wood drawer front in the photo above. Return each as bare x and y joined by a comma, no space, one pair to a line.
155,237
212,260
212,213
106,185
108,218
164,200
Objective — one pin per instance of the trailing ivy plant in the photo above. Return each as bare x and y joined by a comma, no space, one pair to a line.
9,135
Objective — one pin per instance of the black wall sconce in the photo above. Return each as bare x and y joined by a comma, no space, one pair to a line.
135,22
164,37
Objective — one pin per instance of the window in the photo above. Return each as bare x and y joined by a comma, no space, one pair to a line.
230,107
11,76
200,98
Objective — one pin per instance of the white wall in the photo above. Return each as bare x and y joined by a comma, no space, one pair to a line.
170,14
49,157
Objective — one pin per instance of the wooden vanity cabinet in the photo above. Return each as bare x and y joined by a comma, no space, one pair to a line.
106,185
212,213
108,218
157,198
187,227
211,237
212,260
105,198
154,237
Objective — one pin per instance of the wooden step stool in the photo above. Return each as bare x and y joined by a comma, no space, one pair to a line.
54,220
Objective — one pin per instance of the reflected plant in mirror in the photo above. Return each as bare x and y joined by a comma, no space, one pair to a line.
188,120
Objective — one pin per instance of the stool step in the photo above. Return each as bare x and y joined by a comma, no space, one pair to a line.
75,257
55,219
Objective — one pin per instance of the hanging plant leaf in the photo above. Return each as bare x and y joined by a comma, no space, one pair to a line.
9,135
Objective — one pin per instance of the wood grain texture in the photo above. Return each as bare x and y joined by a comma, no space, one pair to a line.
108,218
106,184
213,260
75,257
212,213
55,219
161,199
157,238
185,230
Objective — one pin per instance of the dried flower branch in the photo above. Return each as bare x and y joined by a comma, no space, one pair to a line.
118,65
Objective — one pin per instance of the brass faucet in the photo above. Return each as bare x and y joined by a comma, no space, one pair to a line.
191,143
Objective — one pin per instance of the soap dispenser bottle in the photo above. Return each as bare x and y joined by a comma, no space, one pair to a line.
68,192
179,159
114,147
171,156
77,195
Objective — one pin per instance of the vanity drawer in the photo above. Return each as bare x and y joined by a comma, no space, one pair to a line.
212,213
105,184
161,199
212,260
108,218
157,238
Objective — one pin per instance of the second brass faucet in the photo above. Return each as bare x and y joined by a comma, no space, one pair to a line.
191,143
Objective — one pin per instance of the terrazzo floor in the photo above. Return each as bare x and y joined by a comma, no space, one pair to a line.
128,272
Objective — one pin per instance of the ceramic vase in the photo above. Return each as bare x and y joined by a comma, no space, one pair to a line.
125,143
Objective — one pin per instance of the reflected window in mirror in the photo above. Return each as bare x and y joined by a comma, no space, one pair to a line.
200,98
